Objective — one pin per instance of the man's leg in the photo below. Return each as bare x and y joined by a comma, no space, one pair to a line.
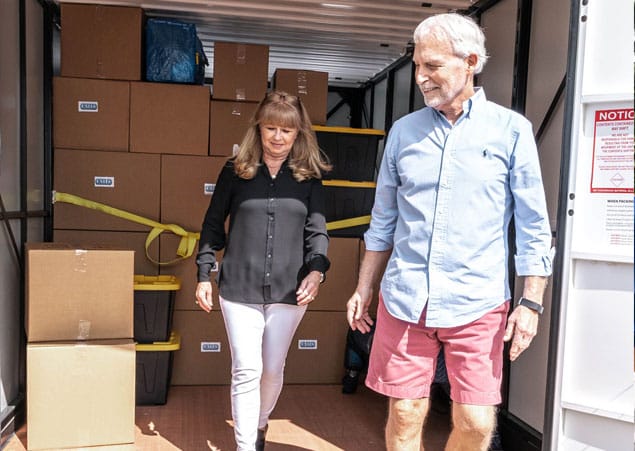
405,424
472,427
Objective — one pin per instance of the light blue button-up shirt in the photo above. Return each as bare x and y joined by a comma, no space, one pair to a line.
444,200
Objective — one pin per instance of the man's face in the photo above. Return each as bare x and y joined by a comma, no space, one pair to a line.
445,80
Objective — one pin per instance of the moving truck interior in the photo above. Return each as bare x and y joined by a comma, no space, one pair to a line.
566,65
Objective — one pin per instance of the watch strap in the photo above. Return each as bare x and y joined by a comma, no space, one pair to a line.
531,305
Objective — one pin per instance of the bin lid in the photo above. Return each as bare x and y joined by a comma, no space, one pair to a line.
173,344
155,283
348,130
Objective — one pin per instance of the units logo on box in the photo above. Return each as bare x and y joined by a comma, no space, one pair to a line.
210,346
307,344
104,182
85,106
208,188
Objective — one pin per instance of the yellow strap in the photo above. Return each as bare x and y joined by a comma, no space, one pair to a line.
188,239
349,184
351,222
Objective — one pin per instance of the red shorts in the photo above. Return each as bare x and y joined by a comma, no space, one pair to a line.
404,355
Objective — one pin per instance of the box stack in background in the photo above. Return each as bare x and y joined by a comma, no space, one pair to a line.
154,147
80,351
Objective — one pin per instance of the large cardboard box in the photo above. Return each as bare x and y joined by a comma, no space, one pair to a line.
78,294
316,355
126,181
91,114
80,394
311,86
100,41
169,118
241,71
204,357
229,122
341,279
187,185
186,270
134,241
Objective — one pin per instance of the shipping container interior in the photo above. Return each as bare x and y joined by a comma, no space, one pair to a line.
365,47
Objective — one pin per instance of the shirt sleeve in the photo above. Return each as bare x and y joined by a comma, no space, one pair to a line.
534,254
379,236
316,239
213,234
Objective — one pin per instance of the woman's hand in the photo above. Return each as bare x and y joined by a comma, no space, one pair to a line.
309,287
204,296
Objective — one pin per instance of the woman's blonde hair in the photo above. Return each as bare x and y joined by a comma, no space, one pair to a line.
306,160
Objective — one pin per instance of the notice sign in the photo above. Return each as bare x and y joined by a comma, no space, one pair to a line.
612,170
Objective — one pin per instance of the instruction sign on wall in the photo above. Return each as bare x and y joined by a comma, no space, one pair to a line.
612,170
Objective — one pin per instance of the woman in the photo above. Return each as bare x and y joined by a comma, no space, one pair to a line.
274,254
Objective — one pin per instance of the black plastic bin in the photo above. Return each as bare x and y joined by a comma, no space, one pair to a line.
348,207
154,370
154,307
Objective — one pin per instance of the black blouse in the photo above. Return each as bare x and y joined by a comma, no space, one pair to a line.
277,235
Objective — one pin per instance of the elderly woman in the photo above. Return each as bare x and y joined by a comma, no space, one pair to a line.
274,253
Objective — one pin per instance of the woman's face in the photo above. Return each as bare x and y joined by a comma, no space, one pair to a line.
277,141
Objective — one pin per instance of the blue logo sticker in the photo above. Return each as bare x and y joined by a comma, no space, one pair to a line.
104,182
84,106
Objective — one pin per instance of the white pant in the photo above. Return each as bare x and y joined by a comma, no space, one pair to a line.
259,339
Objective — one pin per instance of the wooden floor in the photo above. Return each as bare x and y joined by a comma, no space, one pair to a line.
307,417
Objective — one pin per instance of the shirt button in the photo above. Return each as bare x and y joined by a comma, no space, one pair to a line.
268,255
268,274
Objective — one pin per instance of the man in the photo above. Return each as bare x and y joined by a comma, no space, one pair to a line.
452,176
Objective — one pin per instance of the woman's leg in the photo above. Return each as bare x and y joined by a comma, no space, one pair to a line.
245,324
281,322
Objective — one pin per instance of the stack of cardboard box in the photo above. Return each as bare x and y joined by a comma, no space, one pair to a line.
80,352
156,150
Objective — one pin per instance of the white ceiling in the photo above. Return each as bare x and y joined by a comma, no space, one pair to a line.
352,40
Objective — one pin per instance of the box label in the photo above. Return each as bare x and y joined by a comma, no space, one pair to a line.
208,188
104,182
210,346
305,344
86,106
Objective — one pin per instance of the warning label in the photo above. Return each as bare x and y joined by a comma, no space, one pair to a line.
612,170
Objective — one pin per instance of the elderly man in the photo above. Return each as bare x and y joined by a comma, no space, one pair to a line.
452,177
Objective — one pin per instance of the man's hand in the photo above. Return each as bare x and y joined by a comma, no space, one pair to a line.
357,312
522,326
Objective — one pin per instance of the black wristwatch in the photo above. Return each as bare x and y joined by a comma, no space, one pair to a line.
531,305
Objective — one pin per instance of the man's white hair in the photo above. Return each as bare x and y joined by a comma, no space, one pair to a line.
463,34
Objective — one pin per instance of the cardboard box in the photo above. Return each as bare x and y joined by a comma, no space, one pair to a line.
100,41
186,270
316,355
204,357
311,86
134,241
80,394
126,181
169,118
78,294
229,122
241,71
91,114
187,185
341,279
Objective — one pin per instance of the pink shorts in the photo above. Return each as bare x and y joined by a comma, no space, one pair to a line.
404,355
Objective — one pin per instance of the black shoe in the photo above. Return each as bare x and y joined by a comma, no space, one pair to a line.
350,381
260,440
